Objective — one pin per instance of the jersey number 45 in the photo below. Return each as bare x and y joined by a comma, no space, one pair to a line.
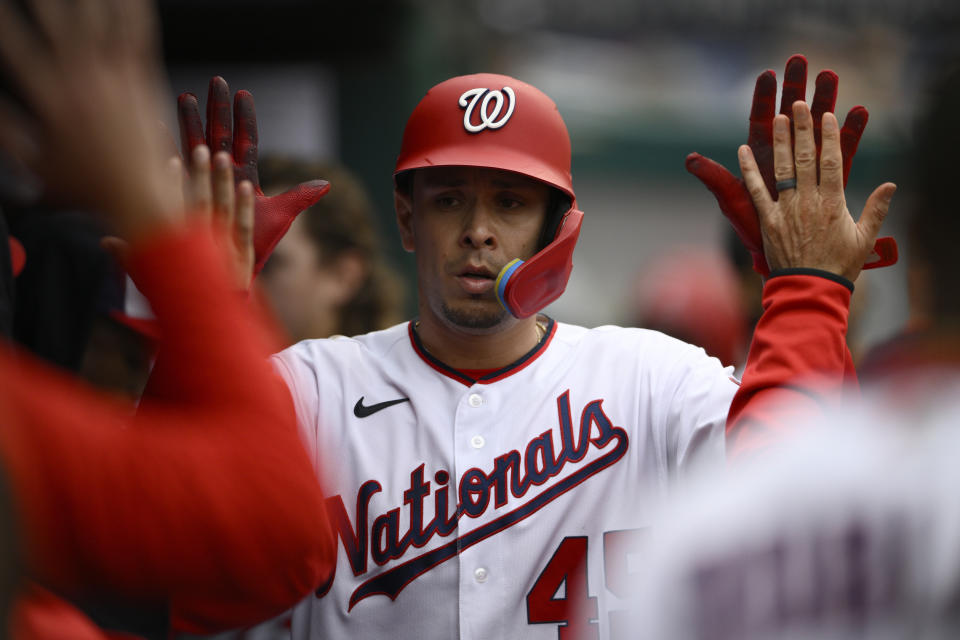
576,610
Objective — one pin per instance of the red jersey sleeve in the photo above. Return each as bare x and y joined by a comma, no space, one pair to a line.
798,360
207,500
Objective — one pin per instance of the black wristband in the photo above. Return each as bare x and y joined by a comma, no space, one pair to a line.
803,271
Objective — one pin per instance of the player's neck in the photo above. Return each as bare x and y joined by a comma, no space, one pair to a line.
461,349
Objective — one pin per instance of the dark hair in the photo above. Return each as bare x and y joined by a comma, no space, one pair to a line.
343,221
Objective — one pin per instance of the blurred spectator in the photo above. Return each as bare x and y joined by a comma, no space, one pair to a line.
327,275
692,294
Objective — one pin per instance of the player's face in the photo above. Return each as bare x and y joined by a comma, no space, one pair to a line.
465,224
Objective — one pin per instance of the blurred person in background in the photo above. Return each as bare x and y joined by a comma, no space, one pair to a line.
327,275
68,296
931,334
853,529
693,294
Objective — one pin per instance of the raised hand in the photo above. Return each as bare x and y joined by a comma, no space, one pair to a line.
211,195
273,215
808,225
210,198
87,74
731,192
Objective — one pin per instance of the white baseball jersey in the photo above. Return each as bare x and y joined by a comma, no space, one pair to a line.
850,531
506,507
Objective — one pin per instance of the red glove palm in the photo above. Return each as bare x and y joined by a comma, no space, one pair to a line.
731,192
273,215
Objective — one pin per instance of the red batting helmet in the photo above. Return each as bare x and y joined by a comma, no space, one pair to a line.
499,122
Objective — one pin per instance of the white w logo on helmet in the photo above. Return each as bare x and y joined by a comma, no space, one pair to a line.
488,116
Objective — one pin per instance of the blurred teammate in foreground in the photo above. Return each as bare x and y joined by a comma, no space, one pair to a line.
204,503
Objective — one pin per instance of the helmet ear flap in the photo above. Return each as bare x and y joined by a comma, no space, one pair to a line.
557,207
526,287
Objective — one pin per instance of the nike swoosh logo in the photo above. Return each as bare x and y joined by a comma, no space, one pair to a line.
362,411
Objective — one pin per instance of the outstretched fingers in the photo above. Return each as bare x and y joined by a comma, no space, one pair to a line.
754,181
874,213
794,83
714,176
783,166
730,193
760,135
191,125
245,137
850,134
824,101
219,134
200,189
176,179
805,151
243,232
223,189
831,159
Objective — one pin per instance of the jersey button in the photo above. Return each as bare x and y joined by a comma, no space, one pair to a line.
477,442
480,574
475,400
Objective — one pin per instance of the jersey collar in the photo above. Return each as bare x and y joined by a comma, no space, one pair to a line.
494,376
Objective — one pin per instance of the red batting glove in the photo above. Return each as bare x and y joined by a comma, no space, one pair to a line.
273,215
731,192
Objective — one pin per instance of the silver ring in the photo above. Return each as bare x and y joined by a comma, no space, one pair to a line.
789,183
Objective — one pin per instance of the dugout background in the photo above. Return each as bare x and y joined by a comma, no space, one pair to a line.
640,84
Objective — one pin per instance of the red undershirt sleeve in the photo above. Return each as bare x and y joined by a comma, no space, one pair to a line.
206,501
798,361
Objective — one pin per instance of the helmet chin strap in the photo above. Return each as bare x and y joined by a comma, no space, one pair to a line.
526,287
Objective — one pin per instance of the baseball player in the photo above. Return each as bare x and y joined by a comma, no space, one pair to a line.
491,470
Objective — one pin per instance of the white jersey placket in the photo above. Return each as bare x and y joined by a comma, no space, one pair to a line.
474,443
